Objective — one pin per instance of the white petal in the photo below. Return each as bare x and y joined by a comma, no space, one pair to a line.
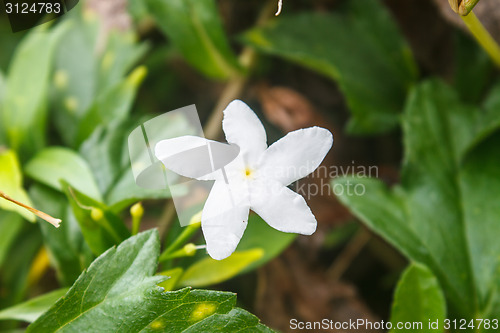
281,208
295,155
224,219
242,127
195,157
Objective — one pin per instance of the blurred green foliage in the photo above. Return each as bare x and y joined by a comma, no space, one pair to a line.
68,102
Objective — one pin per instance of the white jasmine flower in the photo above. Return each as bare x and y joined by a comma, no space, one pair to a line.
256,179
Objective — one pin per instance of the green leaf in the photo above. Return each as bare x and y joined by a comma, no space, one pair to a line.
54,164
118,292
2,88
114,104
237,320
174,275
89,69
195,28
122,52
209,271
445,213
68,251
473,69
360,48
10,227
11,183
418,298
30,310
102,232
14,277
259,235
107,154
24,118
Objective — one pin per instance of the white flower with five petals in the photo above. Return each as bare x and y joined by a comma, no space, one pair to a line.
256,179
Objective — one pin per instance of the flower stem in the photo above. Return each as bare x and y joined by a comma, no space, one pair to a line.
55,222
483,37
185,235
136,211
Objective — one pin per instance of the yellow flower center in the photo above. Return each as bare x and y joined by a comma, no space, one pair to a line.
248,173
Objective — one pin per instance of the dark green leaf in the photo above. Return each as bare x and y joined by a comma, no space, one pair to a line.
237,320
418,298
101,233
473,69
24,118
195,25
68,251
30,310
54,164
14,277
361,49
445,214
118,292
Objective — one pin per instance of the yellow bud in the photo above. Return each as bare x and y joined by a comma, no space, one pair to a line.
137,210
189,249
96,214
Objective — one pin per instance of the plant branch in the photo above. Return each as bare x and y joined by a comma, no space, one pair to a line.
55,222
483,37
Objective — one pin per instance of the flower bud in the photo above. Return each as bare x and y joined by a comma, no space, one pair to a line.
189,249
96,214
136,211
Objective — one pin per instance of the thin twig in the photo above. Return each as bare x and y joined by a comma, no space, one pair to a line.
351,251
280,4
55,222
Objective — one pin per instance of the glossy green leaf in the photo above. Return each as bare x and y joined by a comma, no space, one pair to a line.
360,48
54,164
24,118
101,232
118,292
69,253
209,271
32,309
11,183
259,235
445,213
236,320
418,298
195,25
